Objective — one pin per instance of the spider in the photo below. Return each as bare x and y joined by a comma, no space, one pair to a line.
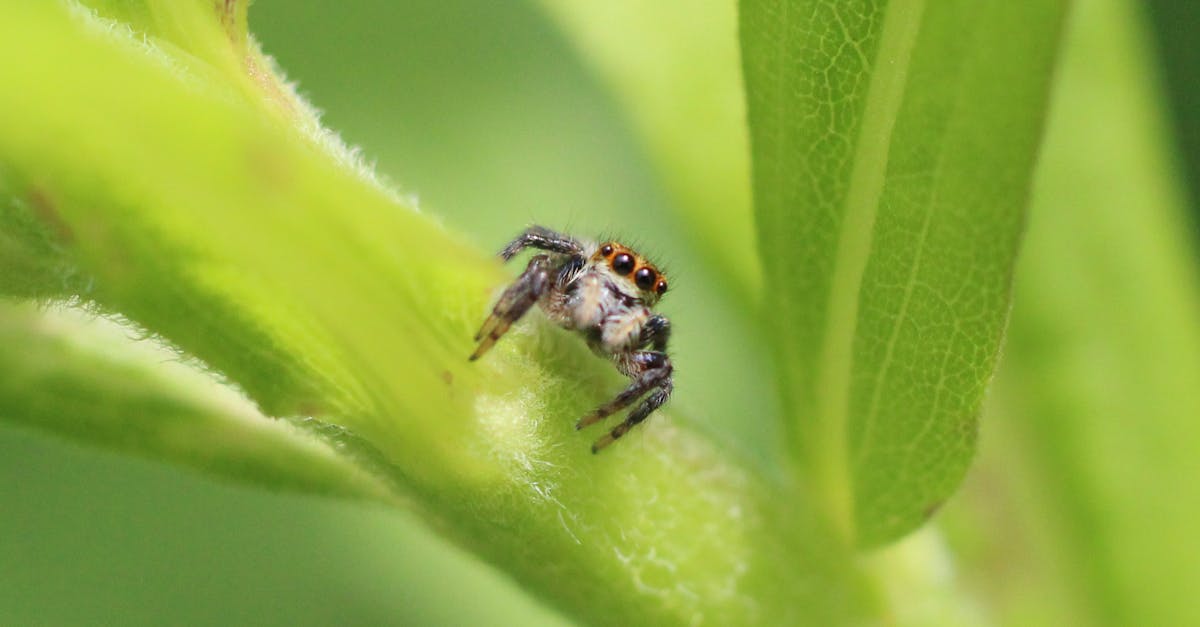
605,292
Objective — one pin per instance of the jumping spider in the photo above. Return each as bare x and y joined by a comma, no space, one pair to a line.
605,292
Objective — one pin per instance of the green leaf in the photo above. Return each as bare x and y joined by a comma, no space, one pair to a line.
82,377
210,215
892,150
673,64
1094,441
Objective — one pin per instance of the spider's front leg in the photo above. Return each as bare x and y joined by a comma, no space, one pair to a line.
542,238
514,302
651,372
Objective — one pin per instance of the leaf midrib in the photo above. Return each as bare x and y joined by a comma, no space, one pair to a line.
829,463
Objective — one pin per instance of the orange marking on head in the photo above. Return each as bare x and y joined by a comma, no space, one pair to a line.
633,267
608,250
653,280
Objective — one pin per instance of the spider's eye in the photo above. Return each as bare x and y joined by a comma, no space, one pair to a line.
622,263
645,278
661,288
606,250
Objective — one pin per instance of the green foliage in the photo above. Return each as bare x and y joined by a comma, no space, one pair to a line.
893,146
305,328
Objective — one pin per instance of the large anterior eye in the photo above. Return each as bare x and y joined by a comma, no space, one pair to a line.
645,278
622,263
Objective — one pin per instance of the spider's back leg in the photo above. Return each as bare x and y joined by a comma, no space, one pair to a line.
514,302
652,402
650,370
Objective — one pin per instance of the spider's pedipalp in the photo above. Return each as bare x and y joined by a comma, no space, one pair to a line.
656,332
513,303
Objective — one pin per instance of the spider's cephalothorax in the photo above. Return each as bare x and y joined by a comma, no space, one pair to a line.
604,291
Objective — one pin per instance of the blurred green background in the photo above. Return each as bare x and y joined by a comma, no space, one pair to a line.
484,112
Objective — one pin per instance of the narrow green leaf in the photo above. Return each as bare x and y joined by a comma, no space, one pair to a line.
674,66
1094,441
224,228
892,149
84,378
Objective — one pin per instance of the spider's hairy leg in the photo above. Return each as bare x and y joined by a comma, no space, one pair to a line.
649,369
542,238
651,403
513,303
